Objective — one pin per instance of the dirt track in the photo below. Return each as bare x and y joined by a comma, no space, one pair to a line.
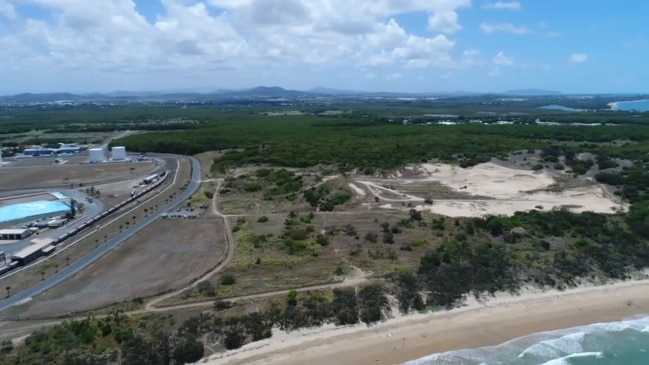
222,263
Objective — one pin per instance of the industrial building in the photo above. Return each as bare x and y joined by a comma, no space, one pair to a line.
36,209
118,153
64,148
14,234
39,151
33,251
97,155
69,148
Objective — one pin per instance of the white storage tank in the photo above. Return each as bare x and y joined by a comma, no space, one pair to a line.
97,155
119,153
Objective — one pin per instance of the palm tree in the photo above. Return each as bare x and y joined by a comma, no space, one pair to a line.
146,211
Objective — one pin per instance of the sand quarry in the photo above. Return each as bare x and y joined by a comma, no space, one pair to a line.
492,189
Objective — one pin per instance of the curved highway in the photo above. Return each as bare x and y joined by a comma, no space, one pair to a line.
94,255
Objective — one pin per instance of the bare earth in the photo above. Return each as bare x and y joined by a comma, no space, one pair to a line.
152,262
475,325
491,189
513,190
62,175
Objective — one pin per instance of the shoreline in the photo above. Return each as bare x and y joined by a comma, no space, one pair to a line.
615,106
404,338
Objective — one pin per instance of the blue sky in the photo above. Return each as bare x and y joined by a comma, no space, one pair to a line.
388,45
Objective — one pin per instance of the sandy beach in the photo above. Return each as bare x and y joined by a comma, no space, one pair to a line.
477,324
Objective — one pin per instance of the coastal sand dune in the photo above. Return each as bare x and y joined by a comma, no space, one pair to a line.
478,324
488,179
505,191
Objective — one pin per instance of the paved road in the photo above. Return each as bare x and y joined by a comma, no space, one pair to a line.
94,255
104,145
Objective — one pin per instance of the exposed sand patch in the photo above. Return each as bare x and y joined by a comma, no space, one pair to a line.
512,190
357,190
488,179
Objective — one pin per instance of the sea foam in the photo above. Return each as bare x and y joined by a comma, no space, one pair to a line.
615,343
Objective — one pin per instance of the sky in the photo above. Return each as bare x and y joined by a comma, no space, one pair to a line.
593,46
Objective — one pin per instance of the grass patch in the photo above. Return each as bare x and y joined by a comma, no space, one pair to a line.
202,196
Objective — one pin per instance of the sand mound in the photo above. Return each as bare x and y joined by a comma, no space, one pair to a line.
510,190
357,190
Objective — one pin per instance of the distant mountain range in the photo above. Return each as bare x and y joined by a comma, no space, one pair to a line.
260,92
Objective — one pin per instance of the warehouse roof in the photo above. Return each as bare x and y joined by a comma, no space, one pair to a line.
13,231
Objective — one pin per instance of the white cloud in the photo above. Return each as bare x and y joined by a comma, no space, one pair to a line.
7,10
444,21
505,28
418,63
505,5
469,57
202,37
578,58
502,60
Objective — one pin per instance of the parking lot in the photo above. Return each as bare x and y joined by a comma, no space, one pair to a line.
186,212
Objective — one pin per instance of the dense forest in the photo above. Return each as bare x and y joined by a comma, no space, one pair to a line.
102,116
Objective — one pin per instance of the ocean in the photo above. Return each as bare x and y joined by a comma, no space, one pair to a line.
615,343
636,105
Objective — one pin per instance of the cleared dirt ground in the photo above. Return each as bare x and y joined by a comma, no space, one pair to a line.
162,257
487,189
61,175
48,161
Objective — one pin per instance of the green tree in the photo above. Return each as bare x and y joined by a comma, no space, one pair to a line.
228,279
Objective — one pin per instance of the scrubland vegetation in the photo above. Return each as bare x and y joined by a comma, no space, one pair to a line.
419,261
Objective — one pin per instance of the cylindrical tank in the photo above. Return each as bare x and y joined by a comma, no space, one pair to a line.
119,153
97,155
